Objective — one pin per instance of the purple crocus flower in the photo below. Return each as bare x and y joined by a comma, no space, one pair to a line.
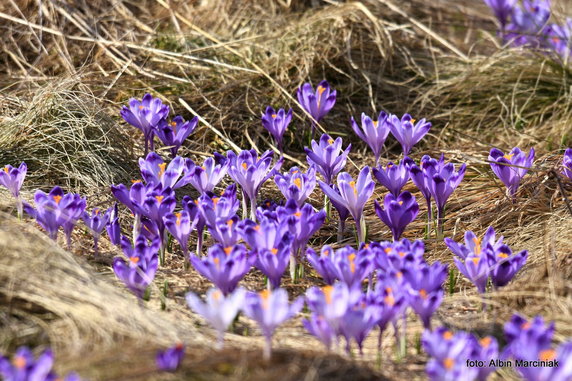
156,172
449,353
276,123
174,133
223,207
562,372
406,131
397,212
422,177
224,266
250,171
358,322
323,264
145,115
113,227
475,268
140,268
485,349
302,221
558,37
296,184
502,10
170,359
394,177
353,194
24,367
95,222
318,327
567,163
389,304
503,264
192,207
511,168
273,262
180,225
12,179
55,209
225,232
270,309
332,302
317,103
268,234
474,245
529,340
327,156
528,23
442,184
206,177
343,212
352,266
426,289
156,206
219,310
373,132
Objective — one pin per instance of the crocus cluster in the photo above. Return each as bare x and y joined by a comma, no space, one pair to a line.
487,258
451,354
149,115
528,24
24,367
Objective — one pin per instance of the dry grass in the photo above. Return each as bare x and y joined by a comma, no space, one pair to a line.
66,69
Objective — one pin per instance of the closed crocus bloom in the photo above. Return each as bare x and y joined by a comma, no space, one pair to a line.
174,133
504,264
170,359
270,309
276,123
206,177
389,303
358,322
323,263
224,266
485,349
225,231
156,206
353,195
318,327
95,222
113,227
407,131
72,206
302,221
502,10
443,183
473,244
426,289
373,132
296,185
394,176
265,235
180,225
327,156
192,207
511,168
397,212
250,171
145,115
352,266
317,103
567,163
219,310
214,207
332,302
156,172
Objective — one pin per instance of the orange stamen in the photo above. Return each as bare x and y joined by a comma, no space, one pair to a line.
265,295
274,116
229,223
244,165
159,199
477,242
448,363
423,293
57,199
217,295
547,355
508,156
19,362
389,300
485,342
353,186
274,251
178,222
298,214
298,182
162,167
328,290
330,141
6,169
351,258
257,228
217,262
476,260
135,181
503,255
387,250
228,250
134,260
526,325
447,335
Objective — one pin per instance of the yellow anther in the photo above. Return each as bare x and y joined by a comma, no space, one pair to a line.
503,255
274,251
389,166
400,202
477,242
447,335
298,182
401,253
423,293
399,274
298,214
217,262
330,141
328,290
135,181
387,250
448,363
134,260
351,259
6,169
326,252
215,200
96,211
159,199
353,186
485,342
321,90
413,121
162,167
274,116
228,250
57,199
229,223
244,165
375,123
388,290
141,107
389,300
265,295
178,214
476,260
217,295
19,362
257,228
508,156
526,325
547,355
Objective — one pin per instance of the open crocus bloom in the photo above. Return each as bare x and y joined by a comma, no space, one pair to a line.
407,131
373,132
317,103
156,172
397,212
174,133
327,156
206,177
473,244
296,185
